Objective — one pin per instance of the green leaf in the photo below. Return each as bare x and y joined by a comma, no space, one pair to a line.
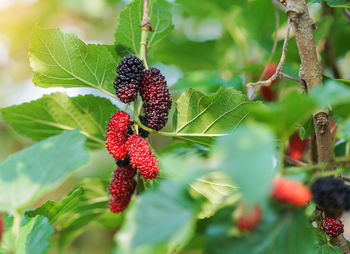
33,236
36,170
54,113
201,117
286,116
306,130
214,188
86,203
344,130
338,3
335,94
159,221
128,33
247,156
60,59
323,246
286,233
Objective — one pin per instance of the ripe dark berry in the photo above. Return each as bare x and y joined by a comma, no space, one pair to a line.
127,82
121,188
332,227
268,94
292,192
116,135
141,157
156,97
332,194
123,163
248,218
143,133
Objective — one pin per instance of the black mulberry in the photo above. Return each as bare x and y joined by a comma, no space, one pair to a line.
332,194
127,82
156,97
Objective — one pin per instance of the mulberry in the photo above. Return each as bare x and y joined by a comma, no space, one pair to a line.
143,133
127,82
117,134
121,188
292,192
141,156
332,194
248,219
332,227
296,147
156,97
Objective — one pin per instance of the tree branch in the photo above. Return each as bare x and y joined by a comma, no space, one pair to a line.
275,41
268,82
341,242
347,14
310,70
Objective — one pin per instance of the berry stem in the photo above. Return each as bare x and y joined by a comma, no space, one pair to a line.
145,28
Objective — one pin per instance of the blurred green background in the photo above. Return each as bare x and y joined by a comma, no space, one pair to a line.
214,43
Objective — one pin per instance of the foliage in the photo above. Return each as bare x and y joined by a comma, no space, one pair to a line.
225,149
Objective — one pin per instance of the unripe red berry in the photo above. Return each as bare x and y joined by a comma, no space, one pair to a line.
270,70
296,146
292,192
248,218
116,135
141,156
333,227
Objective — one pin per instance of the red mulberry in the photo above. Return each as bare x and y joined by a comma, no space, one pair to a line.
292,192
156,97
127,82
332,227
248,218
141,157
117,134
121,188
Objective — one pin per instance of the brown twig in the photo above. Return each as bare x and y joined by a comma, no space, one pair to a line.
341,242
146,21
275,41
268,82
347,14
279,5
294,162
291,78
310,70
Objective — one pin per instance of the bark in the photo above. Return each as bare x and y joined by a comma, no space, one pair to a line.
310,70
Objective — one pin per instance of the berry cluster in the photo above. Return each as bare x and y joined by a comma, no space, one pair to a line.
128,81
153,89
291,192
156,97
332,227
331,194
131,152
121,188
